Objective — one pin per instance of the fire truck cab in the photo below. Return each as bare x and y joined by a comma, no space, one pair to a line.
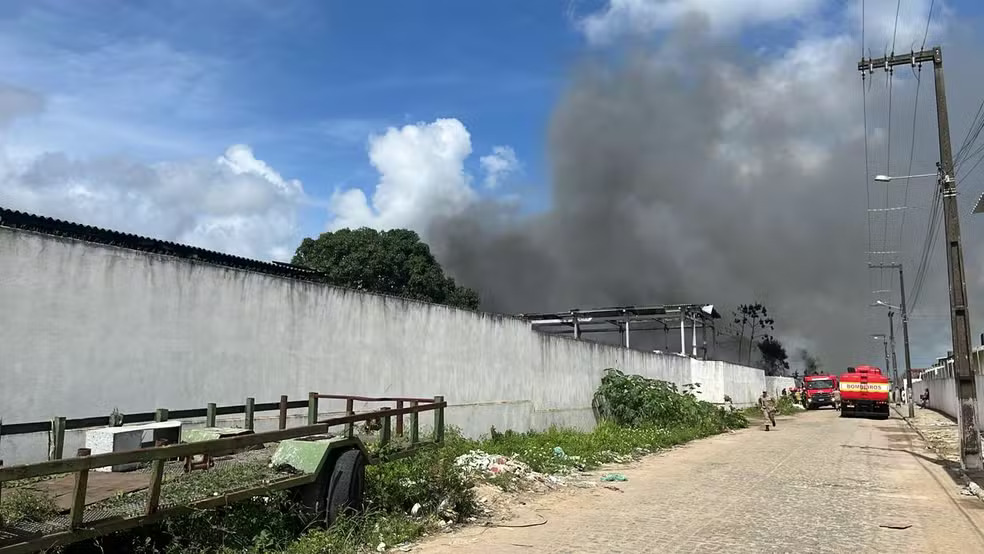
818,390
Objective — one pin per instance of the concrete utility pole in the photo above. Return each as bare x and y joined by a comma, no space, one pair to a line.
905,334
891,343
885,342
970,445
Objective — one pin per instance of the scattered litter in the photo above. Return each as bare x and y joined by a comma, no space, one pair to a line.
614,477
973,489
490,465
405,547
381,547
559,453
613,488
415,509
896,525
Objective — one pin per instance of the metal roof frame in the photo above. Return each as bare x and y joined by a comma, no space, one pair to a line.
627,320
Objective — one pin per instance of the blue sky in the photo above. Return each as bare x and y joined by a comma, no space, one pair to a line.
303,83
245,125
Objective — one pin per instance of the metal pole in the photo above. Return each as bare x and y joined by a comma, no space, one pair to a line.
693,339
627,342
683,336
577,327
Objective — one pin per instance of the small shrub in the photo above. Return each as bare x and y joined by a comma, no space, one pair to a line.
353,534
22,504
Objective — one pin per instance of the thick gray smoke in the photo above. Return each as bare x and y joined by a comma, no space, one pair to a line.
698,173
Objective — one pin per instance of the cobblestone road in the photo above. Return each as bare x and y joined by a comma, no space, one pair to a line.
818,483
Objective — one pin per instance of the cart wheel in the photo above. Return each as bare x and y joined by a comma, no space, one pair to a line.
346,491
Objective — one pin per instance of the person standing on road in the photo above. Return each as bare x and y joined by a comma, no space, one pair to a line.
768,407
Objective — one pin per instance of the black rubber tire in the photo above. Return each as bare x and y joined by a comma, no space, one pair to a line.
347,488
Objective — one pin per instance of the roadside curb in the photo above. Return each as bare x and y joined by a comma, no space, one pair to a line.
968,484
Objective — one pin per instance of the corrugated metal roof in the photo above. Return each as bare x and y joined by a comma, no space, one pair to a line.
56,227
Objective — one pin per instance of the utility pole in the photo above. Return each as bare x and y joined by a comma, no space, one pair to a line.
891,343
885,342
905,334
970,445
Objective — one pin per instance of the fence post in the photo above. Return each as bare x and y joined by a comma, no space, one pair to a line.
312,408
399,419
210,415
384,437
57,437
250,408
414,424
439,420
350,410
156,478
283,412
78,493
160,414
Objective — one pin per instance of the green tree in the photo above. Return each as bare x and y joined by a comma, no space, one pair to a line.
775,361
753,317
392,262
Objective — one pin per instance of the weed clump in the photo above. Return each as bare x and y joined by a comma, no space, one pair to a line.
24,504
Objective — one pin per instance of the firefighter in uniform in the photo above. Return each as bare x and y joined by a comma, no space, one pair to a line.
768,407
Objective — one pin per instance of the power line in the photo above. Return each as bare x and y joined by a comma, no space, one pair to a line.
912,151
928,19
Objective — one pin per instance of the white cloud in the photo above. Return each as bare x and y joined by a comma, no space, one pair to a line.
235,203
422,175
134,94
498,165
625,17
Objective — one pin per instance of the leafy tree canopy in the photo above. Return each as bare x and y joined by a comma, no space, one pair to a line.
775,361
392,262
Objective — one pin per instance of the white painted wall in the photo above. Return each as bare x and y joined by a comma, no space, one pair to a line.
87,327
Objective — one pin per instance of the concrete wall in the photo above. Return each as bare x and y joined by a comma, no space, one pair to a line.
88,327
943,389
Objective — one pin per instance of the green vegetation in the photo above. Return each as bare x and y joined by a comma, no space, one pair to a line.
392,262
23,504
412,496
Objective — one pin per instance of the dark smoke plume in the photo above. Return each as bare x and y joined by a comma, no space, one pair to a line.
699,173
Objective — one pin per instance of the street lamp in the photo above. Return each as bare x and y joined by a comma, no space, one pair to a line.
905,331
891,339
884,340
887,178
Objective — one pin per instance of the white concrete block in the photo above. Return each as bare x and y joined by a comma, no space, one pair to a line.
128,437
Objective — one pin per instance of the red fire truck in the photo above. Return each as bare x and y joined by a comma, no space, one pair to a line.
818,390
864,391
